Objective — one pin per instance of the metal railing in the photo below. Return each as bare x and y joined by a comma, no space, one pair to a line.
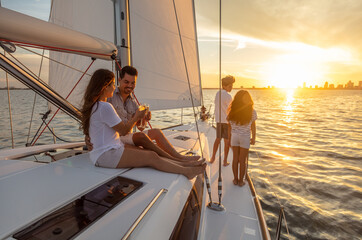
143,214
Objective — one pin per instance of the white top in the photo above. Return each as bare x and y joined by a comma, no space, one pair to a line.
125,110
225,102
102,135
243,130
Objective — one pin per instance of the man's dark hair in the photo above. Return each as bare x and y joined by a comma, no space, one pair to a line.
228,80
129,70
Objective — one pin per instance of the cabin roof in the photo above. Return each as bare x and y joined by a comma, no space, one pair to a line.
39,189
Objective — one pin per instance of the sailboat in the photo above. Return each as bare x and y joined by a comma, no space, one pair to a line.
70,198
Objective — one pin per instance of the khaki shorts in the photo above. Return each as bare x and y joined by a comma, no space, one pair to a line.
222,130
110,158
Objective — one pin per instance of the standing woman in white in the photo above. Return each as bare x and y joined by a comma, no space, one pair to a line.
101,122
242,118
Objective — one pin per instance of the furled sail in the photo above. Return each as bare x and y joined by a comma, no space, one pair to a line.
65,41
157,53
92,17
31,31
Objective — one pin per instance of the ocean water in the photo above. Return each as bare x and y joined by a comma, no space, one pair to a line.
307,157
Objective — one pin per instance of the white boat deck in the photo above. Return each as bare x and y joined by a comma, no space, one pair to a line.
35,190
240,218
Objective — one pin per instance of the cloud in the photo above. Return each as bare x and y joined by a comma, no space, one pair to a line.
322,23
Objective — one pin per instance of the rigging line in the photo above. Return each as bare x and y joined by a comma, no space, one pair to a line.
220,178
187,75
51,131
10,114
93,59
192,100
35,94
29,71
276,196
53,60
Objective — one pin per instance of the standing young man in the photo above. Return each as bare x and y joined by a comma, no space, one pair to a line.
222,126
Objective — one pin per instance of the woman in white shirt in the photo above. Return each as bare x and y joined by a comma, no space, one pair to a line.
101,122
242,118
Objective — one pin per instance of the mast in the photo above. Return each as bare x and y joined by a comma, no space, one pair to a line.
122,31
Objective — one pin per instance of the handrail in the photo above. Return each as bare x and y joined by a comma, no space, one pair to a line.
143,214
259,210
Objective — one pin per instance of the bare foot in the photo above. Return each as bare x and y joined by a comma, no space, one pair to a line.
235,181
189,158
241,183
194,171
192,163
226,163
212,159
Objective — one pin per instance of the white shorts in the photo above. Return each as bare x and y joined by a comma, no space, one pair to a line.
110,158
127,139
240,141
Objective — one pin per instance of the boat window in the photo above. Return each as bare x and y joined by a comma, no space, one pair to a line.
75,217
187,226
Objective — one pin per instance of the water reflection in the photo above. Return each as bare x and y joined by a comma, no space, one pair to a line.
288,105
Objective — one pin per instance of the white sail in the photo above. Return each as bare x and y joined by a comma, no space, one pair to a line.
156,49
157,53
93,17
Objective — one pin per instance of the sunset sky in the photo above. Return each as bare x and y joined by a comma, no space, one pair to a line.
281,43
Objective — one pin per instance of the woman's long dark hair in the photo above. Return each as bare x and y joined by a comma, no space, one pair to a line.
241,108
97,84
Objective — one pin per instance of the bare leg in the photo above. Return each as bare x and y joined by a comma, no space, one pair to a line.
163,143
226,151
235,166
142,140
136,157
214,149
242,161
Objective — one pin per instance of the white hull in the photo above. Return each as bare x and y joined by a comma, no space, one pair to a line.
30,191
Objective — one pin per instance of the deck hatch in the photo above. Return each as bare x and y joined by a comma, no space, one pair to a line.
183,138
73,218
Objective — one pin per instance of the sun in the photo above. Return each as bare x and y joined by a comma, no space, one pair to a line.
291,73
